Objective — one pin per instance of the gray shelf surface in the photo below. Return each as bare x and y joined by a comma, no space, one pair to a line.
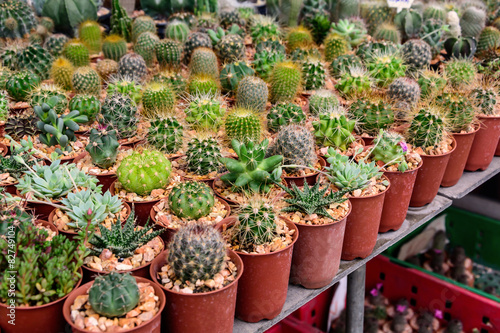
470,181
298,296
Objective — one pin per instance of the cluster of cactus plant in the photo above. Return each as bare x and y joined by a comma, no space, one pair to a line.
191,200
232,73
267,55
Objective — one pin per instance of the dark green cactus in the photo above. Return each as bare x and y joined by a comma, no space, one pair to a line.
55,44
133,65
177,30
390,148
35,59
119,112
194,40
409,22
230,48
313,72
142,24
103,147
486,98
121,23
232,73
203,156
145,46
191,200
342,63
16,19
168,53
404,90
204,61
114,47
45,93
166,135
267,55
333,129
21,84
417,53
283,114
371,114
459,111
427,127
125,85
252,94
460,47
322,100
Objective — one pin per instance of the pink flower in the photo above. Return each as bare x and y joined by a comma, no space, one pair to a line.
374,292
403,146
438,314
401,308
379,286
89,212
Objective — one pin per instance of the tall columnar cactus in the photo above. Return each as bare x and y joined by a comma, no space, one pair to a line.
196,252
431,83
297,37
133,66
472,21
252,94
409,22
119,112
168,52
16,19
114,47
203,155
49,94
86,80
460,72
489,39
36,59
144,171
121,23
88,105
76,52
61,72
333,129
103,147
194,40
90,34
145,47
256,224
204,111
166,134
355,81
283,114
322,100
202,84
204,61
389,149
177,30
142,24
342,64
297,146
385,67
372,114
388,32
243,125
191,200
404,90
21,84
157,99
335,46
459,111
417,53
286,81
313,72
427,127
55,44
232,73
114,294
106,68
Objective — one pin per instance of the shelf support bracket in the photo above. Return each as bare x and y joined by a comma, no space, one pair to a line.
355,304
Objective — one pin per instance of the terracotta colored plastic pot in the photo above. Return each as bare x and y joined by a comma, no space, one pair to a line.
484,145
368,140
35,319
49,225
3,149
362,225
263,286
170,232
316,255
142,208
458,158
151,326
310,179
72,234
10,188
89,274
201,312
41,209
397,198
429,178
497,152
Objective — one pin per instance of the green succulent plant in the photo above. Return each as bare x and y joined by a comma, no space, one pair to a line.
283,114
333,129
353,33
390,148
103,147
191,200
205,111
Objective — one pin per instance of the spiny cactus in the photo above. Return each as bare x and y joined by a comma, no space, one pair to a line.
194,40
252,94
461,47
243,125
342,64
21,84
376,14
17,19
230,48
352,32
86,80
175,80
459,111
145,47
434,11
20,125
177,30
55,44
388,32
431,83
191,200
157,99
404,90
144,171
367,50
489,39
313,72
256,224
232,73
166,134
283,114
142,24
114,47
204,111
203,84
297,146
90,34
391,149
460,72
298,36
106,68
385,67
335,46
264,28
333,129
168,52
133,66
417,53
319,25
120,22
119,113
372,114
409,22
103,147
203,155
472,21
486,98
267,55
88,105
125,85
286,80
354,81
114,294
197,252
427,127
322,100
61,72
76,52
204,61
36,59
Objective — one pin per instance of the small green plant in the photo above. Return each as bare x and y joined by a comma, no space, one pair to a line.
283,114
342,63
431,83
90,34
114,47
286,81
125,85
62,72
333,129
390,148
166,134
252,93
118,112
427,127
191,200
76,52
158,99
353,33
168,52
205,111
204,61
243,125
335,46
21,84
232,73
385,67
142,24
45,93
20,160
145,46
133,66
460,111
417,54
103,147
298,36
354,81
460,72
86,80
372,114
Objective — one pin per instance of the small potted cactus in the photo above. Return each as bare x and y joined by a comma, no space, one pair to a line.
143,178
264,242
199,276
189,202
118,302
485,96
367,187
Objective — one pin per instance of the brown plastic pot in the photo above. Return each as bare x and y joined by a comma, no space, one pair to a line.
151,326
72,234
458,158
10,188
169,233
41,209
362,225
47,224
316,255
397,198
263,286
429,178
89,274
142,209
35,319
484,145
310,179
201,312
3,149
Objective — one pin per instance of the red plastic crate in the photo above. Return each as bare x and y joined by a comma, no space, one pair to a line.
315,313
293,325
425,291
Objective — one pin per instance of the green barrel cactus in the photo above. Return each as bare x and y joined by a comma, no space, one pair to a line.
286,81
119,112
243,125
114,47
335,46
385,67
256,224
404,90
333,129
313,72
232,73
145,46
191,200
166,135
297,37
55,44
230,48
460,72
202,84
489,39
342,63
434,11
472,21
417,54
177,30
49,94
372,115
157,99
267,55
20,85
90,34
204,61
36,59
431,83
16,19
142,24
353,32
204,111
88,105
460,111
375,14
252,93
174,79
125,85
144,171
427,127
61,72
133,66
194,40
76,52
388,32
355,81
322,100
106,68
297,146
103,147
485,97
86,80
302,53
168,52
203,155
283,114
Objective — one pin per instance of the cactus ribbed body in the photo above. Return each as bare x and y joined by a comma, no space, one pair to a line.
204,111
202,156
232,73
157,99
133,66
489,39
177,30
252,94
62,72
286,80
20,85
299,36
296,144
230,48
404,90
256,224
55,44
16,19
313,72
51,95
204,61
168,52
191,200
283,114
486,99
322,100
335,46
460,72
87,105
103,147
427,128
194,40
342,64
76,52
36,59
431,83
145,47
166,134
372,115
333,129
106,68
459,111
243,125
386,67
417,53
388,32
90,34
142,24
119,113
114,47
472,21
203,84
126,86
267,55
354,81
86,80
